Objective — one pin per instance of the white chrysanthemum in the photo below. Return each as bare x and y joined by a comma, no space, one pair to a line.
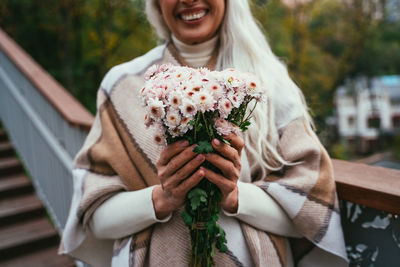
184,125
188,108
253,87
204,101
236,99
175,98
156,109
196,85
173,118
224,107
190,94
185,86
181,74
159,135
215,89
175,132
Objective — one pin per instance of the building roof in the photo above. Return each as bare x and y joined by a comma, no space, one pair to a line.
386,83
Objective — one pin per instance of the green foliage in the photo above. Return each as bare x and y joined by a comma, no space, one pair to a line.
78,41
187,218
196,197
203,147
202,201
340,151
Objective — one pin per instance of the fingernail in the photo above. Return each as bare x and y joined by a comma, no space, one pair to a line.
217,142
200,157
185,143
201,171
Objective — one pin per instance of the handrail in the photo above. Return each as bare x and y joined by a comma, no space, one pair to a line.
61,99
372,186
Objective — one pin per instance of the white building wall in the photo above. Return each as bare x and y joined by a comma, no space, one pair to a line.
361,110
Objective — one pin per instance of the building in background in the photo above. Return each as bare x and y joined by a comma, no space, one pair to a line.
367,109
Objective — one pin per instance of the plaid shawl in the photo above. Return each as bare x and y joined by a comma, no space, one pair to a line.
119,154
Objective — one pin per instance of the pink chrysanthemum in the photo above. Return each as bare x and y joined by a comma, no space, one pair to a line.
225,107
153,70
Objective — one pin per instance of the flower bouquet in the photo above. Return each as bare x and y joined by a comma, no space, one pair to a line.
199,105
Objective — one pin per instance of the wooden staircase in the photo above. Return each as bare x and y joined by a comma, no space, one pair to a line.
27,238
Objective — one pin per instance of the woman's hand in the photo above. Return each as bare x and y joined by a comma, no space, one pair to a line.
229,163
176,168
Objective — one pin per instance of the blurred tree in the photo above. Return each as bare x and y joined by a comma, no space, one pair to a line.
326,41
77,41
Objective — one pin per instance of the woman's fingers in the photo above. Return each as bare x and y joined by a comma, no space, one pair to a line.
226,186
224,165
177,162
170,151
189,183
184,172
229,152
236,142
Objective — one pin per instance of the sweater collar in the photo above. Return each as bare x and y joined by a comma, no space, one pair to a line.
197,55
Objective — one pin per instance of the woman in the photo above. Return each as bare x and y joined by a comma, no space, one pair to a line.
276,180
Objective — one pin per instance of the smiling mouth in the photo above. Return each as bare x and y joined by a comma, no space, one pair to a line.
193,16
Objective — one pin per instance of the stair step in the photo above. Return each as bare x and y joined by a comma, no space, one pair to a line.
15,184
6,149
26,236
14,209
44,257
10,165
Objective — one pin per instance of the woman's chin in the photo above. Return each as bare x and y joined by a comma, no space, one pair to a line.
194,38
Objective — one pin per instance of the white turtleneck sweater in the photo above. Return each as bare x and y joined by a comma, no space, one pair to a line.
196,55
255,206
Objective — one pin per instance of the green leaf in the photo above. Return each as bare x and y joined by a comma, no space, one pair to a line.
221,240
196,196
187,218
203,147
226,142
245,125
190,139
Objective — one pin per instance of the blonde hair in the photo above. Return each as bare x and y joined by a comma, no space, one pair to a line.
243,46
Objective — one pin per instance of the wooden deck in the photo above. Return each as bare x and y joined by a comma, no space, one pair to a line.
27,238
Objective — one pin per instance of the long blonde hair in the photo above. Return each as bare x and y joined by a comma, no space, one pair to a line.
243,46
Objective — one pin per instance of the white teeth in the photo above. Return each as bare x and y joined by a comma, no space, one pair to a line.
193,16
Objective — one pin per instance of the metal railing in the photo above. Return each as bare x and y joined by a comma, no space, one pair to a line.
44,138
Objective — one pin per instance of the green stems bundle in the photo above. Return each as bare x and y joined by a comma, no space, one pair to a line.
202,202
